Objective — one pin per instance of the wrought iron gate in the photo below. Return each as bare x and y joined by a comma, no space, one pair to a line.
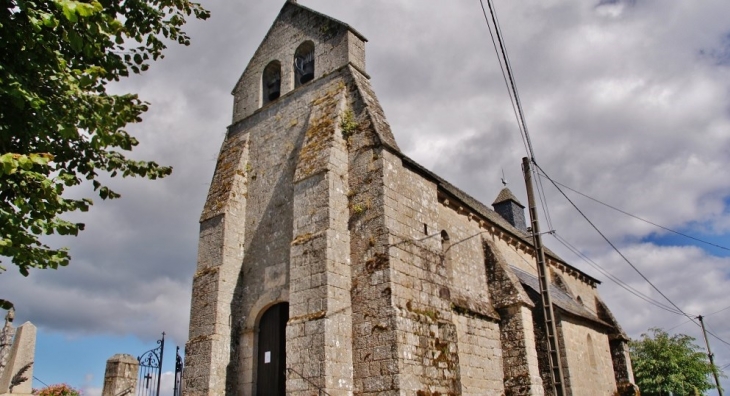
150,370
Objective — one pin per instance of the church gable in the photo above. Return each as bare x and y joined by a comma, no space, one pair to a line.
301,45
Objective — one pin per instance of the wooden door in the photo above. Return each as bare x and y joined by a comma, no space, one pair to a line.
271,372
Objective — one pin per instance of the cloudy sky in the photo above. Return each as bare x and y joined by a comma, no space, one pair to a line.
626,101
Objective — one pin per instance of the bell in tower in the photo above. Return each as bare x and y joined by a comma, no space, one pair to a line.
304,63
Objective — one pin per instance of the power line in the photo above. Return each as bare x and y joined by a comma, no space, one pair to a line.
510,83
522,125
625,258
613,278
543,201
681,324
513,86
710,314
614,246
717,312
504,77
36,378
639,218
727,344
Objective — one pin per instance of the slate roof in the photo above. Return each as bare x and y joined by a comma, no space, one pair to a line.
560,298
506,195
482,209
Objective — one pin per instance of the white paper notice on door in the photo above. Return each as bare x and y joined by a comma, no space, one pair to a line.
267,357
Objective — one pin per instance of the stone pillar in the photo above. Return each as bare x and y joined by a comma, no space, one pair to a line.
517,326
120,377
210,360
519,352
622,366
319,332
20,362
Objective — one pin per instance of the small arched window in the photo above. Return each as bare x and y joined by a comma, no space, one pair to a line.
445,242
304,64
445,254
591,352
271,82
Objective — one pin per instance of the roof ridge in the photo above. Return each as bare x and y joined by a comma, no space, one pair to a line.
350,28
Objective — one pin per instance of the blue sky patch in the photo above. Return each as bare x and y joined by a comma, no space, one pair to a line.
671,239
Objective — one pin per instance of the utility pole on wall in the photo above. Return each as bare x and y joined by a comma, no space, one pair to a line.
556,368
711,356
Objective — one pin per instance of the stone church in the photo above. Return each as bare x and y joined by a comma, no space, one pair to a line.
330,263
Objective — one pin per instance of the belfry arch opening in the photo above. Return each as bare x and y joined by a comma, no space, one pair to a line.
271,357
304,64
271,82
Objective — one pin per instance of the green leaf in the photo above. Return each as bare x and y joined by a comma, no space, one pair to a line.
77,43
69,10
9,164
66,127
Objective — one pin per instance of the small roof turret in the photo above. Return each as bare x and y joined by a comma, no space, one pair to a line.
510,208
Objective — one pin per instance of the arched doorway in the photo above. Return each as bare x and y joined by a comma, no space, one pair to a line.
271,367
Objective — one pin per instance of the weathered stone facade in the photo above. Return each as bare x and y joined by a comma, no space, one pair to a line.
397,283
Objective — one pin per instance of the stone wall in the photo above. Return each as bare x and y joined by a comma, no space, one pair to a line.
588,356
480,355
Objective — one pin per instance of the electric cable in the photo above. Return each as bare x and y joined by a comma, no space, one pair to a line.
614,247
624,257
504,77
36,378
717,312
508,77
681,324
709,331
542,175
639,218
710,314
613,278
522,125
540,189
543,200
